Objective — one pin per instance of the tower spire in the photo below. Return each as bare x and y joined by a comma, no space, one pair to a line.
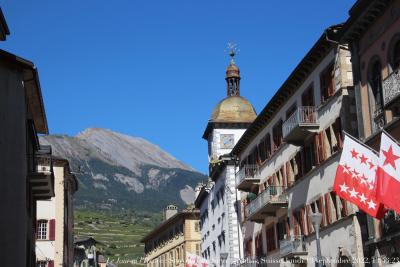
232,73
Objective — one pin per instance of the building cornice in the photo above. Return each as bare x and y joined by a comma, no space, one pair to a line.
195,214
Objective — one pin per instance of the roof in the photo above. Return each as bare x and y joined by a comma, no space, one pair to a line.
4,31
58,161
202,195
82,240
32,89
231,110
165,224
362,15
314,56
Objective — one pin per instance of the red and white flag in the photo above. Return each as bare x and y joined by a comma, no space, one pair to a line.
388,178
355,177
193,260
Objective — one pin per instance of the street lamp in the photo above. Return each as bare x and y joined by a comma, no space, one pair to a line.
316,219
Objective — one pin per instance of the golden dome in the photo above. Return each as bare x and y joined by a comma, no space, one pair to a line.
233,109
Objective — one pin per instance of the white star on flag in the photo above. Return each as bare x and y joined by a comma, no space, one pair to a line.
353,193
355,173
371,205
345,169
371,186
363,181
363,198
343,188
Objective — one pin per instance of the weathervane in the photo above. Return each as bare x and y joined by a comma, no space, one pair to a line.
233,50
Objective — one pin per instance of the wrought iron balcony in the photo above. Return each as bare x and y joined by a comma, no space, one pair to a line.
391,223
302,123
292,247
267,203
247,177
41,177
391,88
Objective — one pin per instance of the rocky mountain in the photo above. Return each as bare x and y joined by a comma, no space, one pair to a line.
118,171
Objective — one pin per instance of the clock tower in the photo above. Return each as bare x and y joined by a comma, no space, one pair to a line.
231,116
229,120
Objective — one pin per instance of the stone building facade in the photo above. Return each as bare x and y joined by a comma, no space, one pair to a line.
168,244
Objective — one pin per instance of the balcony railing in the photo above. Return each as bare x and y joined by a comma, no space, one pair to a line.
247,176
391,223
292,247
267,203
42,177
302,122
391,87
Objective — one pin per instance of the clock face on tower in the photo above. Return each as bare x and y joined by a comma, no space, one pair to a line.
227,140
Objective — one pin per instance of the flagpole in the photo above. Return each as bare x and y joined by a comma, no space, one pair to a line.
361,143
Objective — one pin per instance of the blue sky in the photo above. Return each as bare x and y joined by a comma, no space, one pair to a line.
155,69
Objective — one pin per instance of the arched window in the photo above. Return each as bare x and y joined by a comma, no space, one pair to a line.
375,81
376,96
396,56
394,52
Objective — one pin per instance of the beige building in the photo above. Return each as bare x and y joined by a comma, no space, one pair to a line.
22,182
287,161
179,234
55,220
373,33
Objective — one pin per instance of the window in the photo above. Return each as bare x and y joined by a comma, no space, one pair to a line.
249,248
41,264
42,230
197,226
258,245
198,249
307,99
291,110
281,230
376,82
327,83
268,144
396,56
376,96
262,151
277,135
394,52
270,234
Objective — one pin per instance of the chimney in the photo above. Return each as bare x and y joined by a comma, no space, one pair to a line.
170,211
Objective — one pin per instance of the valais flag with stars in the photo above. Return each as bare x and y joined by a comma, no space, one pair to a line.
355,177
388,178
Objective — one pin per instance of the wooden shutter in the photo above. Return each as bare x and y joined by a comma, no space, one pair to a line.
319,149
284,176
331,81
328,208
268,145
289,173
303,224
321,209
309,221
52,229
295,225
287,227
299,167
326,145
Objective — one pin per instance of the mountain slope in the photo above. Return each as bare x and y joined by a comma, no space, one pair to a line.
118,171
